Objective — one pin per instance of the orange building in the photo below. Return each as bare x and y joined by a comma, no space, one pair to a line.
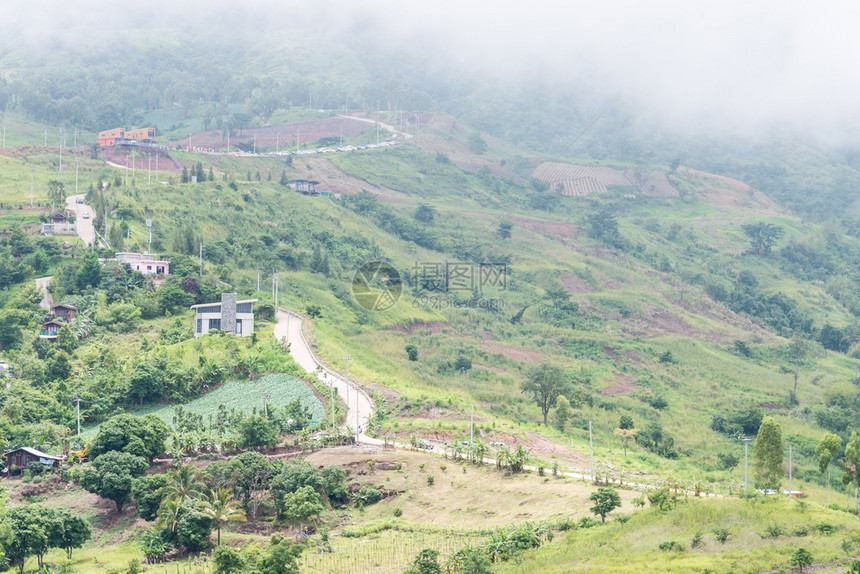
110,136
144,134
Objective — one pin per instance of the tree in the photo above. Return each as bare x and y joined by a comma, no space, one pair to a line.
626,422
281,557
192,528
255,431
427,562
852,456
221,507
476,143
90,271
75,530
605,501
625,435
112,475
801,557
183,484
66,339
762,236
505,228
603,225
768,455
284,181
58,367
425,213
140,436
545,383
148,492
412,352
302,505
28,534
829,447
562,412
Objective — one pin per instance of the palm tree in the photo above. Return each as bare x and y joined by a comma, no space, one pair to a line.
220,506
168,514
183,484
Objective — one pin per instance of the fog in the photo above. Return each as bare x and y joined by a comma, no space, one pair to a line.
733,65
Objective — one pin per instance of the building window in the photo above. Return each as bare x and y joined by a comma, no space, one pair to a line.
214,324
199,325
243,308
239,327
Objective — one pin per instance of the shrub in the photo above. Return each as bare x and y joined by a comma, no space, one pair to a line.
773,531
722,535
430,480
825,528
697,539
398,512
671,545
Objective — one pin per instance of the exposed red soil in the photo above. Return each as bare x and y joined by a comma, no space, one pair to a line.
623,385
517,354
497,370
574,284
557,228
740,195
435,327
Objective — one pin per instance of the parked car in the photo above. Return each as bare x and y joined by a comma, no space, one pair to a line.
86,215
79,200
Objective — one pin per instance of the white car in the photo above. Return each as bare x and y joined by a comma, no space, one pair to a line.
86,215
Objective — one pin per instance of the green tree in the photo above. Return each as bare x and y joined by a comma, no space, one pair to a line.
425,213
762,236
192,528
302,505
626,422
605,501
281,557
827,448
145,383
30,533
76,530
801,558
852,456
183,484
90,271
412,352
255,431
545,383
426,562
58,367
283,181
57,192
112,475
625,435
220,507
768,455
66,339
562,412
140,436
476,143
148,492
505,229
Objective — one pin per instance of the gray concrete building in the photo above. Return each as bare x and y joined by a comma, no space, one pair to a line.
230,315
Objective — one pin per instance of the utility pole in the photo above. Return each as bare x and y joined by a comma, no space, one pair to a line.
78,400
331,392
62,140
277,142
255,143
591,449
277,290
127,239
126,170
472,429
746,440
357,426
347,382
258,280
266,404
76,177
789,470
201,259
156,165
149,171
32,183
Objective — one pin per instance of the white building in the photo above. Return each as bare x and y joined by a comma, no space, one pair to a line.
146,263
236,317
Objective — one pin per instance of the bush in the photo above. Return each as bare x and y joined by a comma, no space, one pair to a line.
697,539
773,531
722,535
825,528
430,480
398,512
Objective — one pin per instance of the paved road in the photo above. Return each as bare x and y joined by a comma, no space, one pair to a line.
357,400
84,226
47,301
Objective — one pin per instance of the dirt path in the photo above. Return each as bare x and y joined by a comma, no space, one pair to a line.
85,228
388,127
42,284
359,405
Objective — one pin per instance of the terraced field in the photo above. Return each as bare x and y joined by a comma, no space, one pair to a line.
581,180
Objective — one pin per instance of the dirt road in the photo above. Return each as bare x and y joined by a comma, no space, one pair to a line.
47,301
359,405
85,228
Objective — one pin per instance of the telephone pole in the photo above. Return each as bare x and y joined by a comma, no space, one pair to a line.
78,400
746,440
201,259
347,383
591,450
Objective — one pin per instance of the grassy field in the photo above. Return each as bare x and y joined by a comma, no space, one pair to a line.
634,546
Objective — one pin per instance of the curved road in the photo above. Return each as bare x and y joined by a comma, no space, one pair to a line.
359,404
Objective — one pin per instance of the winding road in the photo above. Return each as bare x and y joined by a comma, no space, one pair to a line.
359,405
84,227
